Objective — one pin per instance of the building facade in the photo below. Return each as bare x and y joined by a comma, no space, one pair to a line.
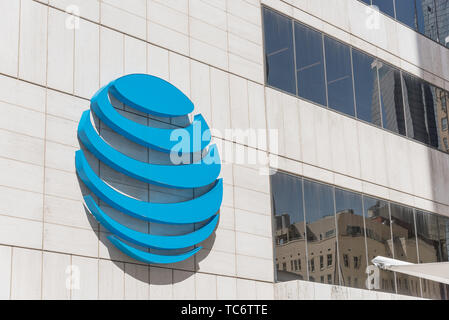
330,117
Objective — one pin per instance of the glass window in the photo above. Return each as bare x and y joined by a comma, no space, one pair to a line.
442,13
345,260
366,87
339,76
279,57
310,64
378,237
289,220
442,117
312,265
386,6
351,235
410,12
430,28
404,242
443,232
367,1
391,98
443,226
429,250
329,260
420,107
320,218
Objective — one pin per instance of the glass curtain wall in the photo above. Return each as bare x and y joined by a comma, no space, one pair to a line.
428,17
330,235
309,64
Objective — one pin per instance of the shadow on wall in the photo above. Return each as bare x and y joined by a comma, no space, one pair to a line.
144,192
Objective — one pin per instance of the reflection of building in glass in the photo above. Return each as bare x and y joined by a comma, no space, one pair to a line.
391,96
436,20
336,248
430,18
441,100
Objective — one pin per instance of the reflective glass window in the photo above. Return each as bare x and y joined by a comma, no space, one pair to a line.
320,226
429,251
442,13
410,12
366,87
391,99
443,226
378,239
386,6
443,232
367,1
429,12
440,105
289,222
310,64
279,56
351,235
404,241
420,110
339,76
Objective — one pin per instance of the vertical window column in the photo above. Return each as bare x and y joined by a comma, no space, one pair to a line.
310,64
279,56
339,76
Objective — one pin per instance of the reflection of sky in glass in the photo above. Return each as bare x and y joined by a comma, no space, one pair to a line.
279,51
339,76
318,200
287,196
346,200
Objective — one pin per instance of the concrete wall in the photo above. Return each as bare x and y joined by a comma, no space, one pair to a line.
211,50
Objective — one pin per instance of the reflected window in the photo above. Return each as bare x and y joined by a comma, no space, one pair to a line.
385,6
378,237
391,100
320,219
279,55
351,235
289,221
404,242
366,87
339,76
310,64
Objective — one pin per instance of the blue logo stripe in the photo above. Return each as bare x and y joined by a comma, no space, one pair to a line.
151,95
155,138
194,175
149,240
156,97
150,257
192,211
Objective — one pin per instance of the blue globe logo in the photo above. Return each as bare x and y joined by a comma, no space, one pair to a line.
155,97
